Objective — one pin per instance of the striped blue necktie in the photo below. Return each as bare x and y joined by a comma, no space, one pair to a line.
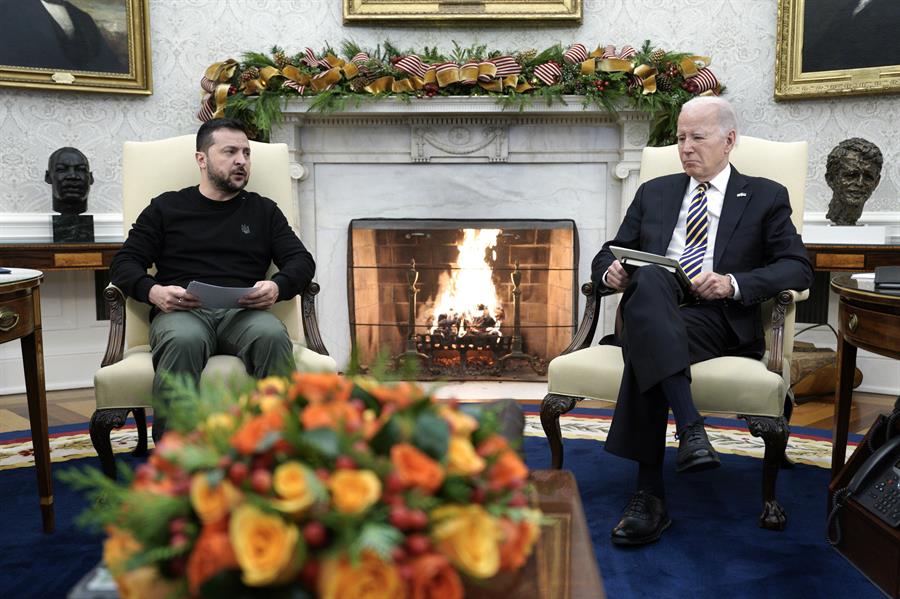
696,233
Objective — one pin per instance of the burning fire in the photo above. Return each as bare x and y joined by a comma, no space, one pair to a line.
467,300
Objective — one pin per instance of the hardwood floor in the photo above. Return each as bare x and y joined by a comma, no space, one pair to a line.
74,406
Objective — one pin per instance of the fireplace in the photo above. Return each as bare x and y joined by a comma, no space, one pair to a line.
464,299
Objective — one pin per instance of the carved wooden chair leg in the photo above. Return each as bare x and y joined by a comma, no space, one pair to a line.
552,407
774,432
140,421
786,462
102,423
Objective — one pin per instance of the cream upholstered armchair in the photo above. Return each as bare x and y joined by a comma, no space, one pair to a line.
123,383
757,391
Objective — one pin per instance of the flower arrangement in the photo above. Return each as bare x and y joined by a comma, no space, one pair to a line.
318,486
651,79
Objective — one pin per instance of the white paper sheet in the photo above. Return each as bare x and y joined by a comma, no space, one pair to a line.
213,296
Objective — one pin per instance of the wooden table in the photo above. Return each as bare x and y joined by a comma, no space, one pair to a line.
58,256
851,258
20,318
868,319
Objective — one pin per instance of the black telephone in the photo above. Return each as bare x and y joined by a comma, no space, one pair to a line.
876,485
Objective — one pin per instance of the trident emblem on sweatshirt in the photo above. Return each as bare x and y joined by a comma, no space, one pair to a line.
245,229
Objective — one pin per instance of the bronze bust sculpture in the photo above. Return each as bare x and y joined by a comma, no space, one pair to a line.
853,171
70,177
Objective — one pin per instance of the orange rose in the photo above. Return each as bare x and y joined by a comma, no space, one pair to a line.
331,415
316,387
265,546
354,491
518,541
371,578
212,503
469,536
492,445
416,469
402,394
212,554
508,468
248,437
434,578
461,457
119,547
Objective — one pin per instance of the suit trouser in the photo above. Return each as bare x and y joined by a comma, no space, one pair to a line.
182,342
659,339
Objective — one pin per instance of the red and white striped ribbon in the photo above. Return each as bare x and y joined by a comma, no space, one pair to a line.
207,109
610,52
208,85
506,65
412,65
703,81
312,61
548,73
360,58
576,54
294,86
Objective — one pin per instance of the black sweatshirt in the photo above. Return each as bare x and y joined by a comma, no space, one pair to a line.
190,237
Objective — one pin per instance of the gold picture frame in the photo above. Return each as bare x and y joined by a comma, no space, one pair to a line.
834,48
87,45
406,11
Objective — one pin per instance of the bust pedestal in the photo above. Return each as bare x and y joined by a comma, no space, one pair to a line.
73,227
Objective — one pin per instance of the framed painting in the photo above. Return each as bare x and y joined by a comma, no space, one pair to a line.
78,45
407,11
829,48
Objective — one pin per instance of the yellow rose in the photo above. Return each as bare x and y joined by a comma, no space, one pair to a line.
220,421
469,537
272,385
271,403
265,546
462,457
353,491
147,583
460,423
212,503
118,548
291,482
371,578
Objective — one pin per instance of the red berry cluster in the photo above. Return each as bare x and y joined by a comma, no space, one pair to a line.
600,84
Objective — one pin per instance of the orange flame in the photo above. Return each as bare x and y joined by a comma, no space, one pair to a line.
469,293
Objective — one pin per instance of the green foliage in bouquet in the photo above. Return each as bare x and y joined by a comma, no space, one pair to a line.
650,80
316,485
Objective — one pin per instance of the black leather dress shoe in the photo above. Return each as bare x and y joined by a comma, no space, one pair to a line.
644,520
695,452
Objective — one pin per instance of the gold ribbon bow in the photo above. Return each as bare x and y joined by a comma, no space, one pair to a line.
216,82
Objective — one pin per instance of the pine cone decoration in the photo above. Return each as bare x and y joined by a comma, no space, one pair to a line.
663,83
280,59
672,70
526,55
657,55
251,73
359,83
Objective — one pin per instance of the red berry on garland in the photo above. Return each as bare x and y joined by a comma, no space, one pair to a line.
344,462
399,517
417,519
393,483
398,554
238,472
418,544
261,481
315,534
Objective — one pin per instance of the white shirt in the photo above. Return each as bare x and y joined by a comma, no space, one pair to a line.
61,16
715,198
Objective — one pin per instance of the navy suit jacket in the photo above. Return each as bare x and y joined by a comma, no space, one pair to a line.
755,241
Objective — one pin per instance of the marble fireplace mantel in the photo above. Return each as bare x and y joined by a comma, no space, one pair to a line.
447,157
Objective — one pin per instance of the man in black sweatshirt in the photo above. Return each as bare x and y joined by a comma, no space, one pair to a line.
220,234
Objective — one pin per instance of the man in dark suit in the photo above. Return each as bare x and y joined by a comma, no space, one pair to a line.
734,237
850,34
54,34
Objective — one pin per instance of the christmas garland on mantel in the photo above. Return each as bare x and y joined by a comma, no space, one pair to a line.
651,80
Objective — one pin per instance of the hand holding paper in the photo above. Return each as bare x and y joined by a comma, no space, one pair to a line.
214,296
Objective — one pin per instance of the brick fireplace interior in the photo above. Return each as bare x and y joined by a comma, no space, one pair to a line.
388,258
